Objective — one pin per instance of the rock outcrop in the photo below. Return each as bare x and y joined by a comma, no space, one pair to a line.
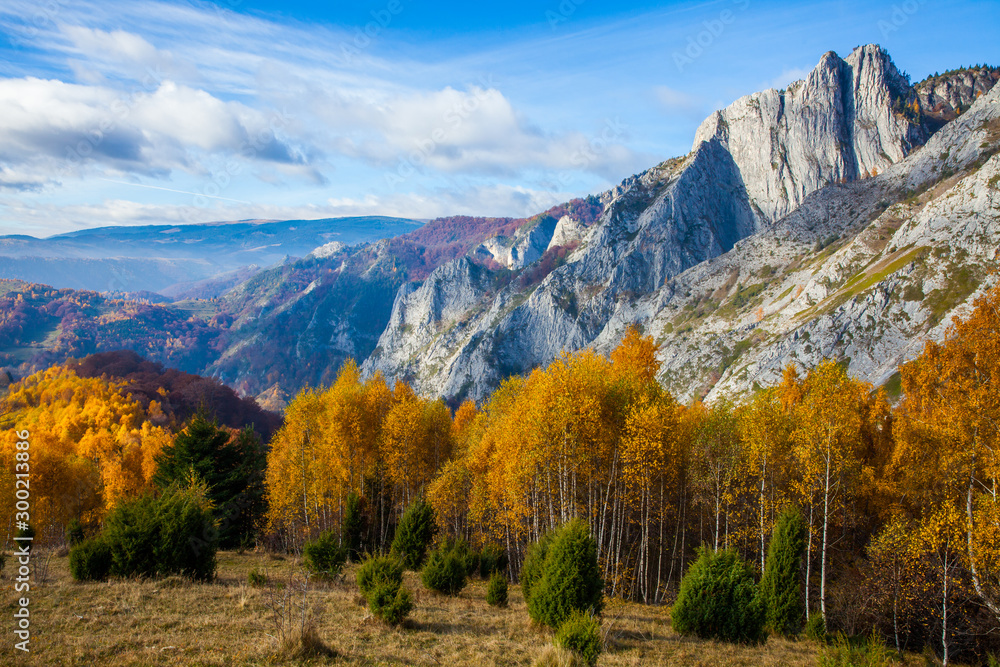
769,180
838,125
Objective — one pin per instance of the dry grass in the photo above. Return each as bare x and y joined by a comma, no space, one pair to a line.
175,622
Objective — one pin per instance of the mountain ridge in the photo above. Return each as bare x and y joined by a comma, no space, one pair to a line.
798,220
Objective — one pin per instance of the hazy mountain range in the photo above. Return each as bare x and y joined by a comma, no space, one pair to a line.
848,216
169,258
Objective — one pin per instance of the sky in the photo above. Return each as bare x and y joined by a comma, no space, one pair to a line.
125,112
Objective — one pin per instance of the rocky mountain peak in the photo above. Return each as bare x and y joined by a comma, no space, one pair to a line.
840,124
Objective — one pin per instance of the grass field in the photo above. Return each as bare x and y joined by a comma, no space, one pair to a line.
176,622
202,308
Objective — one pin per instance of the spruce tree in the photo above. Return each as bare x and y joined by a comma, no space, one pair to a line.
718,600
414,534
780,588
355,525
534,563
571,578
231,465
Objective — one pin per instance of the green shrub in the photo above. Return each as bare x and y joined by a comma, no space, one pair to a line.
354,526
90,560
325,556
74,532
718,600
445,571
859,652
492,559
3,560
256,578
379,569
571,579
390,603
380,579
496,591
172,534
779,586
189,538
414,534
580,633
816,627
471,560
534,563
132,530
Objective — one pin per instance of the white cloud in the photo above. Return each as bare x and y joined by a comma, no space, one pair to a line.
786,77
676,101
488,200
157,92
67,128
114,45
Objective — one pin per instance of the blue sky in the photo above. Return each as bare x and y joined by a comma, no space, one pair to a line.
140,112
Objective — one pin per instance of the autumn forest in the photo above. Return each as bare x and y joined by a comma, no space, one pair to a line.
900,500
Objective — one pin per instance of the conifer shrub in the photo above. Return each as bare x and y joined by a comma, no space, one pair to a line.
816,627
496,591
379,568
534,563
174,533
132,530
414,534
380,579
354,526
471,559
581,633
325,556
445,572
256,578
90,560
571,579
390,603
189,537
492,559
74,532
718,600
779,586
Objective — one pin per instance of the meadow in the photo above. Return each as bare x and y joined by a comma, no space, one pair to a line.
174,621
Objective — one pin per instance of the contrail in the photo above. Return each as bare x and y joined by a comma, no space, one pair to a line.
183,192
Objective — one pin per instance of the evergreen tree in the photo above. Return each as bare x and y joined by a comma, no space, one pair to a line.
414,534
534,563
780,589
571,579
232,467
718,600
355,525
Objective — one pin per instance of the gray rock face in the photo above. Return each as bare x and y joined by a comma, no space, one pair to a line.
751,165
940,97
838,125
526,247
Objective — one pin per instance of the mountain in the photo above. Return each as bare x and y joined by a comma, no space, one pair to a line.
296,324
179,258
792,213
848,216
41,326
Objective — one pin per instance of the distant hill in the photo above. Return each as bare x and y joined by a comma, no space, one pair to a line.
41,326
847,217
179,394
155,257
